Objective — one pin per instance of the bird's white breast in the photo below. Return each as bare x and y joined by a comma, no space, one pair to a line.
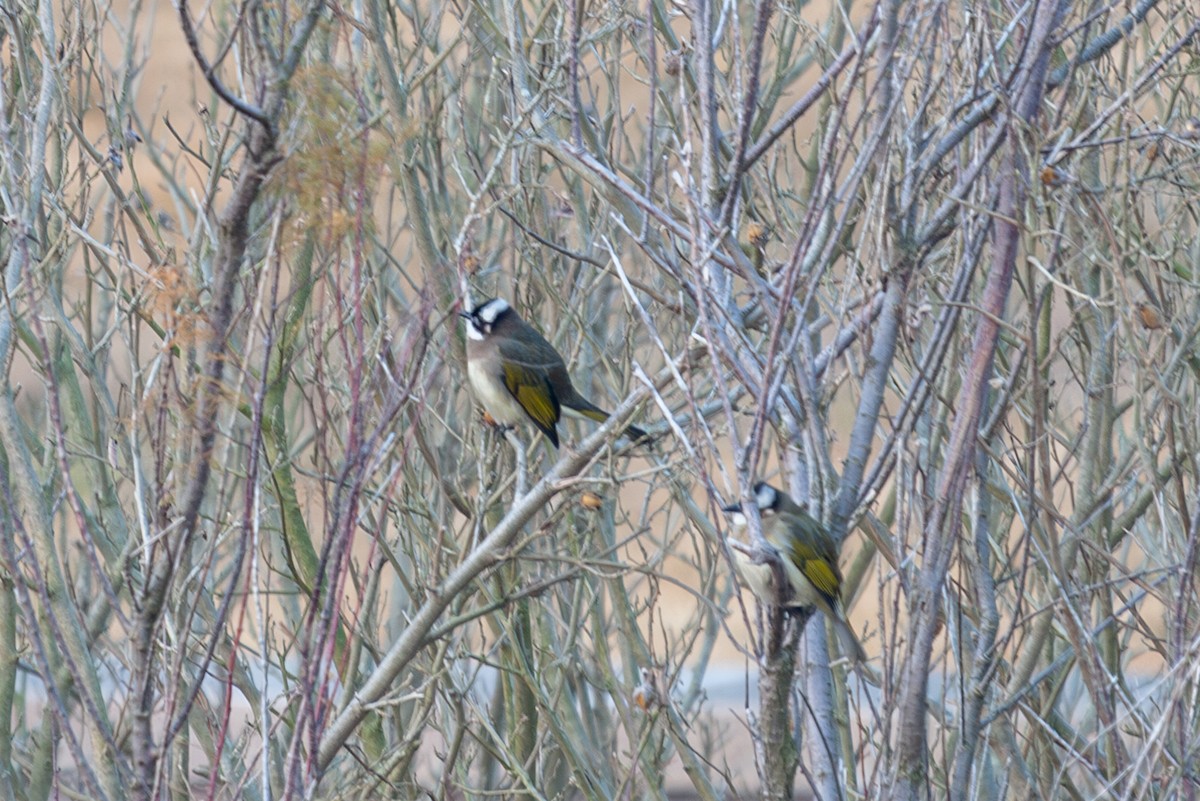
759,578
493,395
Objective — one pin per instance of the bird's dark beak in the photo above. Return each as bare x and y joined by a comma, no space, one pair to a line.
465,314
737,507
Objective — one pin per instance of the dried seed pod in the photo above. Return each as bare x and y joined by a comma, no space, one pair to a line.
645,695
673,63
1150,316
757,234
1153,150
1053,176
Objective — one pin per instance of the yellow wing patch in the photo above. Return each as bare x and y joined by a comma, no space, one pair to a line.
533,392
822,574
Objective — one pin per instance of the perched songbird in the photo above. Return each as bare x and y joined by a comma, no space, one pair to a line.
516,374
810,562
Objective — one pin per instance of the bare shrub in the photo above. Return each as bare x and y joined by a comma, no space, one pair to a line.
929,266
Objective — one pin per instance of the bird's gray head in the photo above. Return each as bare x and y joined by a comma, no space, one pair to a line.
483,318
766,498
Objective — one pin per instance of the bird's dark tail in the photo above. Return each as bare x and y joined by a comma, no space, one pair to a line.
851,647
592,412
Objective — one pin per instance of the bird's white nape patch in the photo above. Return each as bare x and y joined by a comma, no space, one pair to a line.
765,496
490,310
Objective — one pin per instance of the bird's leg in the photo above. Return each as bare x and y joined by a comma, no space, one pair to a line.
488,420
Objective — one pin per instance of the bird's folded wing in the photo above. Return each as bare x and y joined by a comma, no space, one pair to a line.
531,389
819,571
